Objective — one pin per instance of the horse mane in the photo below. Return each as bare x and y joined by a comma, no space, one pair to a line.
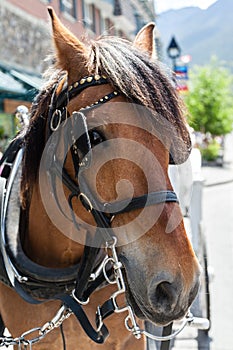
131,72
34,140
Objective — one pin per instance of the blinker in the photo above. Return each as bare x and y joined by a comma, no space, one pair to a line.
81,148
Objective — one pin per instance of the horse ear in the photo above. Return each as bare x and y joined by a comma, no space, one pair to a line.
68,48
145,39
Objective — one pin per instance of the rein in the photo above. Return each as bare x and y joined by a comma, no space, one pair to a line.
90,276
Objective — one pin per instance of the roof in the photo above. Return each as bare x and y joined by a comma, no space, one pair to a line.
9,84
31,80
17,82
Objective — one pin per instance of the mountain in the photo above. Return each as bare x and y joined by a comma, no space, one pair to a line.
200,33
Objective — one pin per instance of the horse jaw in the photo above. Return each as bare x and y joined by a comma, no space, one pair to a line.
145,40
69,49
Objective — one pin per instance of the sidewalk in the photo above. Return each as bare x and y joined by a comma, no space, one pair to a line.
214,175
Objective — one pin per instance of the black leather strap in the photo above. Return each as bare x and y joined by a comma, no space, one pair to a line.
97,336
151,198
104,311
167,330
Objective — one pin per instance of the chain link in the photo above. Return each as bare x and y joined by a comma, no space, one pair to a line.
63,313
25,340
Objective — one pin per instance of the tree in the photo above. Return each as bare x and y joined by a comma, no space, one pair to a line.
209,101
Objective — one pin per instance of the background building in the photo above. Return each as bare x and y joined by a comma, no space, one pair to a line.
25,35
25,40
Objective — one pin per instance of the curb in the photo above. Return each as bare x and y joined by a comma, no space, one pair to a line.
219,183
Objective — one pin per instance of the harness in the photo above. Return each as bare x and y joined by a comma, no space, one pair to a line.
75,284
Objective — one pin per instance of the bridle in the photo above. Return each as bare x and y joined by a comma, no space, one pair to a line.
91,275
81,154
102,213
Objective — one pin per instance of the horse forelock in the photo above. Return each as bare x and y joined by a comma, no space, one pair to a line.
143,81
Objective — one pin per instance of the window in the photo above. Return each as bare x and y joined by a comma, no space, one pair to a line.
68,7
102,25
107,27
89,16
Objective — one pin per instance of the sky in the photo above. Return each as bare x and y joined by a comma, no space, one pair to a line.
164,5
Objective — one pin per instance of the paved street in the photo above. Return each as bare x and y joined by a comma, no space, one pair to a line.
218,210
218,228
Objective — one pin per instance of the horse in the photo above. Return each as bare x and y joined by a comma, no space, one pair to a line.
96,215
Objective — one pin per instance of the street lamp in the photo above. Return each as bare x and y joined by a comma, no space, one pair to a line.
117,11
173,51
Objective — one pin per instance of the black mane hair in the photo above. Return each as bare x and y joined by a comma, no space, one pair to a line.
131,72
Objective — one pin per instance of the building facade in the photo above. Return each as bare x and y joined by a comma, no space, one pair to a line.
25,38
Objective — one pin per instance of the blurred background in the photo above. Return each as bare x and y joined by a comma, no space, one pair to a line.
194,45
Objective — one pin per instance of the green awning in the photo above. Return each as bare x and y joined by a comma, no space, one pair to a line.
29,79
9,84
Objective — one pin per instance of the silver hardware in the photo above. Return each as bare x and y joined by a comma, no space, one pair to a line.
134,328
108,260
62,314
98,312
130,320
57,112
22,341
98,271
33,340
119,280
21,279
85,302
187,320
82,195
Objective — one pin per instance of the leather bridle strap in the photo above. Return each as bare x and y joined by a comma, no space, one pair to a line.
167,330
97,336
140,202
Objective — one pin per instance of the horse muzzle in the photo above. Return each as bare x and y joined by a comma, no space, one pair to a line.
163,301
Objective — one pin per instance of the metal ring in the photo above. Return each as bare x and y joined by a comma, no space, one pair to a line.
57,112
105,272
118,309
85,302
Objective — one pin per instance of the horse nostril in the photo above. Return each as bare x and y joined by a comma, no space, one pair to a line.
165,291
163,296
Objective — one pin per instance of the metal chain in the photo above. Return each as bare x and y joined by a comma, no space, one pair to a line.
130,320
25,340
64,312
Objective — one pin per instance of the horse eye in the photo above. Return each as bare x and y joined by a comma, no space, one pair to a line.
95,137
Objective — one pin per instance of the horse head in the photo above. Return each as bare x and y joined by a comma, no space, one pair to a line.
131,139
